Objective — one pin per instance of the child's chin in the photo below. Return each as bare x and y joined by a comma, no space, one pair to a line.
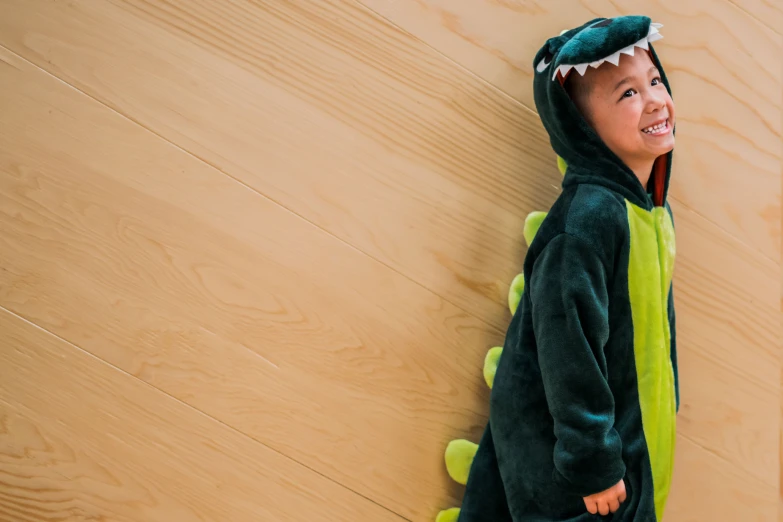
665,147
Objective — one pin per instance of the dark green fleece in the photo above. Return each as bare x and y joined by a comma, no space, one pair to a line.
586,390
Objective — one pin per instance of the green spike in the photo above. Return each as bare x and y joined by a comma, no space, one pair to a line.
532,223
459,457
491,364
448,515
515,292
561,165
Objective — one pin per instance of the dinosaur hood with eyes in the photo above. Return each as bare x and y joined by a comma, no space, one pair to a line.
593,44
585,388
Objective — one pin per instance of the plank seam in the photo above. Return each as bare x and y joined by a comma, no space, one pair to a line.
494,328
193,408
727,461
757,19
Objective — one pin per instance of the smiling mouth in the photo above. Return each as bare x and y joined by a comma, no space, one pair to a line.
657,130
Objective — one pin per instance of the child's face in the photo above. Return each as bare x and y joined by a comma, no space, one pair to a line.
621,113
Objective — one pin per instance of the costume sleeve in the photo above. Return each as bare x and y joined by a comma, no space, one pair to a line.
570,302
673,347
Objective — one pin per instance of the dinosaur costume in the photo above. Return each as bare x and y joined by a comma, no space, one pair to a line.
585,389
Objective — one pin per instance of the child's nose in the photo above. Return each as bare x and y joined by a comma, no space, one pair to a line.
655,101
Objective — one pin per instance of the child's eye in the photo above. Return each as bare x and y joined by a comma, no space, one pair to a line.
625,94
656,81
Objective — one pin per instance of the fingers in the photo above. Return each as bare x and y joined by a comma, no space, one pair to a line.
615,500
604,507
607,501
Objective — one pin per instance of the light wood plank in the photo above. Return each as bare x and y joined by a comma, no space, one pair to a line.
81,440
729,416
164,267
726,295
723,66
731,499
780,344
780,349
407,158
768,12
170,270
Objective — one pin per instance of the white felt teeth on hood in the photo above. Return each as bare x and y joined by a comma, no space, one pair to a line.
628,50
652,36
581,68
614,58
563,70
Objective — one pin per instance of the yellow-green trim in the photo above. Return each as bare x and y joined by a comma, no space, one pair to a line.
649,277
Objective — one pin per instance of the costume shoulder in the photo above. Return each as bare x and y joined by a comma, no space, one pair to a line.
595,215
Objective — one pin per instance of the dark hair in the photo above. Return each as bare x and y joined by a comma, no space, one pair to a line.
579,88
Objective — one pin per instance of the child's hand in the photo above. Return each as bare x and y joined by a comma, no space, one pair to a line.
606,501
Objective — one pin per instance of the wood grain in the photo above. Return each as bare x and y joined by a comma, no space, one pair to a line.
408,159
727,295
722,64
711,325
780,344
768,12
166,268
735,499
81,440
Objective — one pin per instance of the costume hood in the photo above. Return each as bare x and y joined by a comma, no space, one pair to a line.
588,159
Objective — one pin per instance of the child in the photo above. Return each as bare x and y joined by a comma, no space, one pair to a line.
582,413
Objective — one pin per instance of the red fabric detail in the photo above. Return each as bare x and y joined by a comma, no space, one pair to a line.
659,176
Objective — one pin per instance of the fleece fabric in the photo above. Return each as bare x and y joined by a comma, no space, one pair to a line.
586,390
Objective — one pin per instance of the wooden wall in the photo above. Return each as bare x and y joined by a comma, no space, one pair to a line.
253,252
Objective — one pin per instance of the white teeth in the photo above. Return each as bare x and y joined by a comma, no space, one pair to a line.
654,128
614,58
652,36
563,69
